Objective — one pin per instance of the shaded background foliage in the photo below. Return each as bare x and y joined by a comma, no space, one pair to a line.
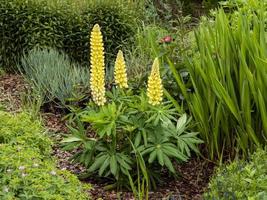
64,26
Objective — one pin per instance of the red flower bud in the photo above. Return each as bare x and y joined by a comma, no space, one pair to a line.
166,39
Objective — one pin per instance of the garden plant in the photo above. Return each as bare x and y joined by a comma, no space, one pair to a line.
136,99
228,76
135,135
26,169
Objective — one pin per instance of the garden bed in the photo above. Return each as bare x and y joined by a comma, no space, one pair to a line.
131,128
195,174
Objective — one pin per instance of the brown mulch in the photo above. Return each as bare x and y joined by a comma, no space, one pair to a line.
192,184
195,173
194,178
11,88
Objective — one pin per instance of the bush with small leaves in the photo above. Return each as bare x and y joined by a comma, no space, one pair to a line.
27,171
21,129
241,179
63,25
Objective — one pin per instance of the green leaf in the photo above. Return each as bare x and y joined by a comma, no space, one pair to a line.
181,123
263,112
113,165
98,162
71,139
222,93
137,140
123,163
152,156
160,157
104,166
168,163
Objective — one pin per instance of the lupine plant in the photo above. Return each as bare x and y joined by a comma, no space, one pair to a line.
131,137
97,82
154,90
120,71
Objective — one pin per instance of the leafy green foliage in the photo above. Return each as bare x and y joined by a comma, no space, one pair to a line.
2,72
166,11
26,168
53,77
22,130
130,134
63,25
244,5
228,76
174,40
25,175
240,179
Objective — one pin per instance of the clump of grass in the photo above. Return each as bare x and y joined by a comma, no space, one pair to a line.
52,76
228,74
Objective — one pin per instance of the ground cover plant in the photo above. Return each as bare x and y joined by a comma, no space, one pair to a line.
27,170
241,179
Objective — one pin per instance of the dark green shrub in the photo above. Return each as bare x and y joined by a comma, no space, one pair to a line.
26,170
241,180
52,75
166,12
63,25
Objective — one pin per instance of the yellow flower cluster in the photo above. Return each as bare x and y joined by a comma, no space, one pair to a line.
97,81
97,78
120,71
155,89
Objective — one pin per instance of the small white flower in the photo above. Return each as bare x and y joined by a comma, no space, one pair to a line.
23,174
5,189
9,170
35,165
53,173
21,167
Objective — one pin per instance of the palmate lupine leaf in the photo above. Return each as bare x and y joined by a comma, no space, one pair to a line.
185,142
161,113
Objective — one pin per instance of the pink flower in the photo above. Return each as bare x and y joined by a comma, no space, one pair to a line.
166,39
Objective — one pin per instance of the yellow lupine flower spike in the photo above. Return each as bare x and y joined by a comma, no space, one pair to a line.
120,71
97,78
155,89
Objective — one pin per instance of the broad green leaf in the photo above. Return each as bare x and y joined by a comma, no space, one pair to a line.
152,156
168,163
104,166
160,156
98,162
71,139
113,165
